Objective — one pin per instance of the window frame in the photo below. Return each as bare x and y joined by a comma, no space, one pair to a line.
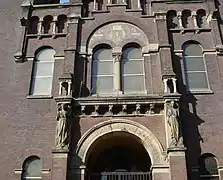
97,75
24,170
205,71
204,176
34,76
121,91
134,75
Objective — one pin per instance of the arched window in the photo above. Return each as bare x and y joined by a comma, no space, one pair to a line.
194,67
47,22
186,18
102,70
208,167
32,168
33,25
61,20
172,20
132,70
42,75
201,18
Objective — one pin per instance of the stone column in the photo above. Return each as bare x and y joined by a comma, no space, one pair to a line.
194,16
179,17
160,172
174,81
54,28
178,170
117,73
139,4
165,85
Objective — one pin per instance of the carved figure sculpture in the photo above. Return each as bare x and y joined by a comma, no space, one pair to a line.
62,128
173,122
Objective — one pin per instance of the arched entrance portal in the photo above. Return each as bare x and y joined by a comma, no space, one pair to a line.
118,151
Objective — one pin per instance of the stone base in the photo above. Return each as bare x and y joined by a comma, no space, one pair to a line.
178,170
59,164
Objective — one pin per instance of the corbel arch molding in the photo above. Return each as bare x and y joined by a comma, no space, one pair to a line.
144,135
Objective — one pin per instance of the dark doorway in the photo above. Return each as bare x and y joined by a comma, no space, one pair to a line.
117,154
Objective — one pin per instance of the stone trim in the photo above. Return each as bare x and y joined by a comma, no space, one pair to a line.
147,138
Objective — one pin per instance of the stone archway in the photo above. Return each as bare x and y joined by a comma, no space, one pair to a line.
144,135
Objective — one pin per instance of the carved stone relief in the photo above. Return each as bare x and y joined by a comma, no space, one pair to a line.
63,126
173,121
117,32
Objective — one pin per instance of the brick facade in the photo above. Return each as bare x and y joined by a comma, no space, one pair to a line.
28,123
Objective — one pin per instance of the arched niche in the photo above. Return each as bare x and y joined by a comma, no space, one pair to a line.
118,34
141,133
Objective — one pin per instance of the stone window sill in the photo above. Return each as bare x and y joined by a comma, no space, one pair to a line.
199,92
113,5
133,10
100,11
39,97
183,2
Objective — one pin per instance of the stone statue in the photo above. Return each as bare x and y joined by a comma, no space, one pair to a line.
173,122
62,128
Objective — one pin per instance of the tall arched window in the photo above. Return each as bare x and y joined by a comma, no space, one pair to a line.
42,75
102,70
194,67
32,168
132,70
208,167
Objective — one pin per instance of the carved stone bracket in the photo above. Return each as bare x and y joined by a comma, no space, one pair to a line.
123,107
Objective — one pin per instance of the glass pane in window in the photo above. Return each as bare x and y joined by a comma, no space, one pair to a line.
102,54
192,50
133,84
132,67
102,68
41,86
45,55
196,80
102,85
43,69
33,168
194,64
208,165
132,53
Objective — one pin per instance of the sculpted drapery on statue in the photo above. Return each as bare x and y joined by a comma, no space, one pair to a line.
174,124
63,126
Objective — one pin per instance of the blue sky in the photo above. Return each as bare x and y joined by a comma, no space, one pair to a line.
64,1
